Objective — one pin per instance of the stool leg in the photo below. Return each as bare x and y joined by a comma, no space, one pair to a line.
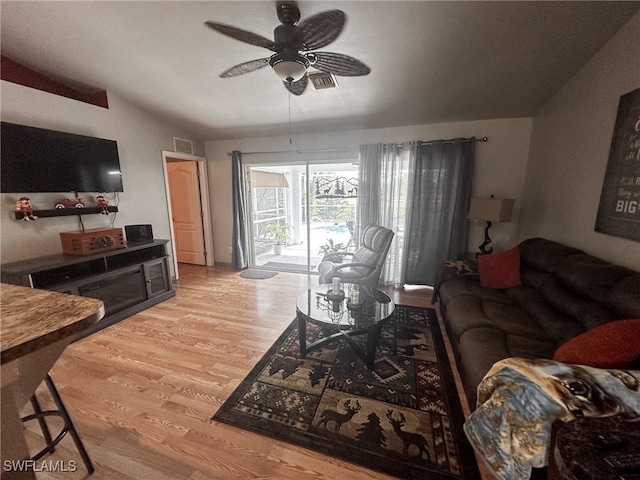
72,429
43,424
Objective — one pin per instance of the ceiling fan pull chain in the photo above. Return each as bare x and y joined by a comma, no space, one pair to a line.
289,92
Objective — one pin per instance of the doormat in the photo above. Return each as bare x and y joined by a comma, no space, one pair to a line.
257,274
404,418
289,266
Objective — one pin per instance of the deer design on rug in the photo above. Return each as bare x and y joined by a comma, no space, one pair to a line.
339,418
408,438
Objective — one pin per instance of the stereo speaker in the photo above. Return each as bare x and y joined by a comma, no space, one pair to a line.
96,240
138,233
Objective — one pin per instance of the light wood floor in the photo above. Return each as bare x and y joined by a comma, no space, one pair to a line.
141,392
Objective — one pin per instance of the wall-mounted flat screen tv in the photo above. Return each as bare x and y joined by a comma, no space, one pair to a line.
40,160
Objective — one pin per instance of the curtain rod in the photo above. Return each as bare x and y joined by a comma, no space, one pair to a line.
449,142
299,152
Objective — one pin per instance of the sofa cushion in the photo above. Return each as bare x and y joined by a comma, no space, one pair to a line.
612,345
482,347
589,277
469,285
557,325
623,299
543,255
577,308
532,277
467,312
500,270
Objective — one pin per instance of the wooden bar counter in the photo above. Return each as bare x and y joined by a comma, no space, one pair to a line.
35,327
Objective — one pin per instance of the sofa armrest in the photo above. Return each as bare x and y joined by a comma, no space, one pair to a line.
336,257
450,269
337,268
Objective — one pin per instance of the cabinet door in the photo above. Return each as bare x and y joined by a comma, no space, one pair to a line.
119,291
156,277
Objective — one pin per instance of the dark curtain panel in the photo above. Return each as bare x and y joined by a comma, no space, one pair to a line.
239,246
438,228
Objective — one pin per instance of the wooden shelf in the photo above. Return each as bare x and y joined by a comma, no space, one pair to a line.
64,212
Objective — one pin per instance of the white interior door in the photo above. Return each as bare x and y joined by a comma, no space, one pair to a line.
187,212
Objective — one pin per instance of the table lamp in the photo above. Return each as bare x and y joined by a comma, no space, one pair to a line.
490,210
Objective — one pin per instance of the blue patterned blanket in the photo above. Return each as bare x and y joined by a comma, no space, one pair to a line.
519,399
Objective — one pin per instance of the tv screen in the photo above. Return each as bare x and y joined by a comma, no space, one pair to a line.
40,160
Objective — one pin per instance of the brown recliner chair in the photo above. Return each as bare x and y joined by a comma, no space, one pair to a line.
365,264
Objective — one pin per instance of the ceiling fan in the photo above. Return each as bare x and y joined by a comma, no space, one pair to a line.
292,45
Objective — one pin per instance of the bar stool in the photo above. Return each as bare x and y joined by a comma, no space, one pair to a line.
62,412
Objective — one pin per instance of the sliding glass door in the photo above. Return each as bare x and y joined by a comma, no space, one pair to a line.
299,212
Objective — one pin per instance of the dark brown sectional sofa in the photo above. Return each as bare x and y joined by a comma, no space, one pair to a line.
563,293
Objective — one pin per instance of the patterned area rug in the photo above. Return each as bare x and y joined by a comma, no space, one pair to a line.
403,419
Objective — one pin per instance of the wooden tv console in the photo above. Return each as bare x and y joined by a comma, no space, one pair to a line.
127,280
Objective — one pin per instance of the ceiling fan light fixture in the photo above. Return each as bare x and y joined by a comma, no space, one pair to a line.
289,67
292,45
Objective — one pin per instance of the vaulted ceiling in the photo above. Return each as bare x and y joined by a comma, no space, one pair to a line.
431,62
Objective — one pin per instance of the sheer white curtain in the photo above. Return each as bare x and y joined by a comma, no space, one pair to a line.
382,200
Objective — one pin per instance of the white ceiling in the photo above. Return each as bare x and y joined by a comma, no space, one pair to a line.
431,62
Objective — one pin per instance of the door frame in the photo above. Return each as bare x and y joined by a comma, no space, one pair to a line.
308,164
204,200
248,198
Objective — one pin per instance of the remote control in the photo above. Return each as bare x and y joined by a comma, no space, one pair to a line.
624,462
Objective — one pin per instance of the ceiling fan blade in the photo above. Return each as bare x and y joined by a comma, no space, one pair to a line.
242,35
320,30
245,67
339,64
297,88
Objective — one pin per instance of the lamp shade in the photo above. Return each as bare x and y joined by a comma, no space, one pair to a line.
491,209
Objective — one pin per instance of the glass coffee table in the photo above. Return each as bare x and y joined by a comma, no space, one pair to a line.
318,306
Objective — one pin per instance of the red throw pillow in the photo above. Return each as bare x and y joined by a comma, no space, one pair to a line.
612,345
500,270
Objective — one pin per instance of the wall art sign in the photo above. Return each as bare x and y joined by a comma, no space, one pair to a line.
619,210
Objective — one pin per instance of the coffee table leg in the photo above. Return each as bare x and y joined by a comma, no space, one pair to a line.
395,335
302,335
372,342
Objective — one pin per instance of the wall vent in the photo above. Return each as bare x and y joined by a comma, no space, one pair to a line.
180,145
322,80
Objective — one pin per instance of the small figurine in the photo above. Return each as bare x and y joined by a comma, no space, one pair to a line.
74,202
24,205
103,203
